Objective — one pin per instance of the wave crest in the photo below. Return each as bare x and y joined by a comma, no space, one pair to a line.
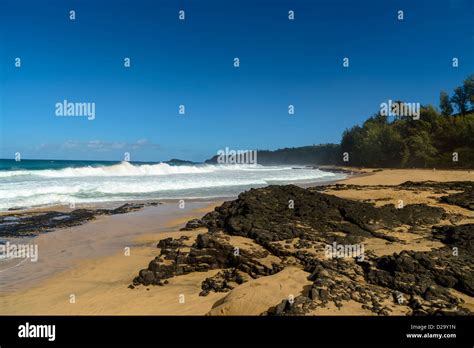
124,169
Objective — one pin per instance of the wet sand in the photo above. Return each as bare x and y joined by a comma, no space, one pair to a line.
106,235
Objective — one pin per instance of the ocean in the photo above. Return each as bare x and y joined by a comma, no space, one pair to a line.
36,183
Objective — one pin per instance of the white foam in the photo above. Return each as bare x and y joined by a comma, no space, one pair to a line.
126,181
128,169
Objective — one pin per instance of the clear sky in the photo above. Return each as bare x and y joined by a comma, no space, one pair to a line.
190,62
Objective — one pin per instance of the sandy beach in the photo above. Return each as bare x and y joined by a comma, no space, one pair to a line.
84,269
398,176
89,261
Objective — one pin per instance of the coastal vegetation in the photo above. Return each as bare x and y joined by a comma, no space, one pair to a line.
438,137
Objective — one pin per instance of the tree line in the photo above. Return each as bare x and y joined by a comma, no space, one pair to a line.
436,138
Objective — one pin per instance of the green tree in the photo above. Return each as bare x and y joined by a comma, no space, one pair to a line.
428,141
469,89
460,99
422,151
445,104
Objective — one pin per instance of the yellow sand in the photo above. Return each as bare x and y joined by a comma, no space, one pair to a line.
398,176
258,295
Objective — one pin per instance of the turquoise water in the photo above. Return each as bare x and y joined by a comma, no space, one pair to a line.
10,164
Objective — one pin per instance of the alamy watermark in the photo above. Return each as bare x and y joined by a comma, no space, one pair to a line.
19,251
227,156
28,330
400,109
335,250
66,108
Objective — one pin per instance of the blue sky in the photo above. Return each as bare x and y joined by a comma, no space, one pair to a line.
191,62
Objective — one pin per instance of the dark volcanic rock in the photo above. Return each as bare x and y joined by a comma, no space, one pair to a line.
222,282
294,225
210,251
170,243
264,215
126,208
463,199
430,274
32,223
193,224
459,236
300,305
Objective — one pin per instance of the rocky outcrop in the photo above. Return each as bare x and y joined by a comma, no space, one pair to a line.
223,281
293,226
210,251
463,199
31,223
277,213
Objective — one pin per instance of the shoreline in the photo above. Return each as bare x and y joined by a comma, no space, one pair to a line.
99,277
150,201
100,283
61,249
45,219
